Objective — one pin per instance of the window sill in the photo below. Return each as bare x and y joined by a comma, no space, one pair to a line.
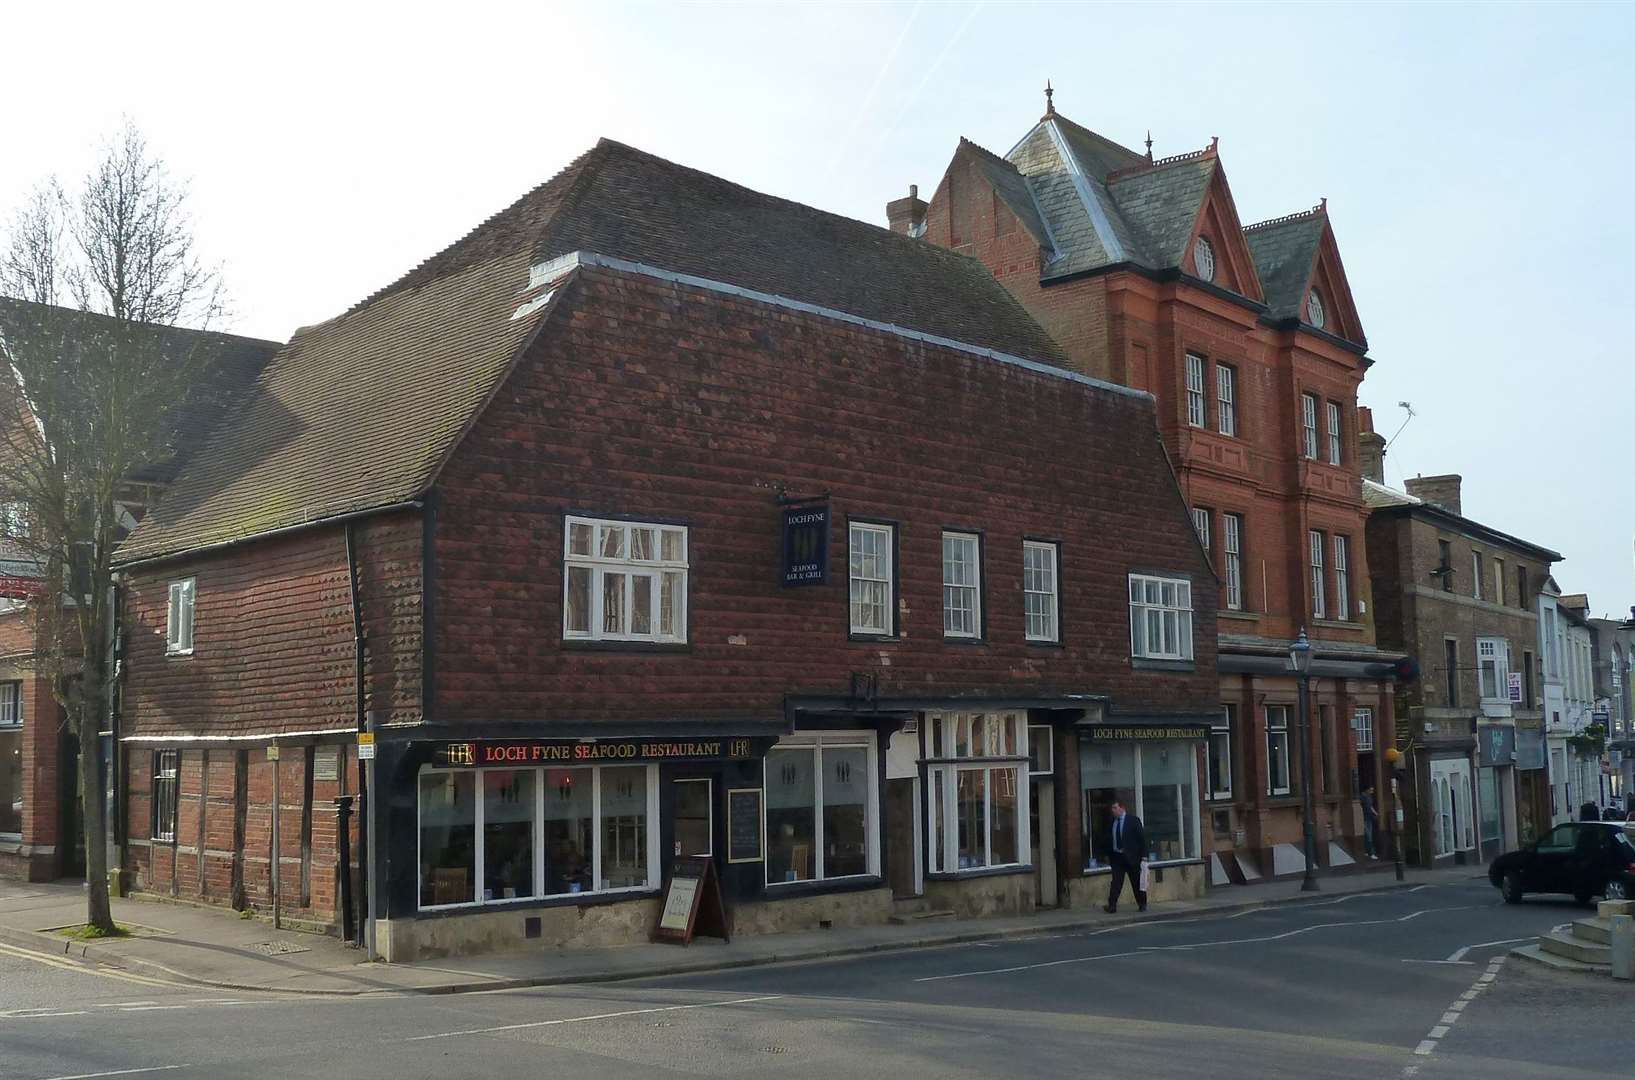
525,903
872,639
1142,663
790,890
980,871
1044,643
178,653
1338,624
594,645
1233,613
950,639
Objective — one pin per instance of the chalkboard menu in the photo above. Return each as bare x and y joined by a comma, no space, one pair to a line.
745,836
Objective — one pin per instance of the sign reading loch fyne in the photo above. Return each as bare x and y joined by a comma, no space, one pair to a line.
542,752
806,544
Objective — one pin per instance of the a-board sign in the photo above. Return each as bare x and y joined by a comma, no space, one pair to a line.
745,836
692,902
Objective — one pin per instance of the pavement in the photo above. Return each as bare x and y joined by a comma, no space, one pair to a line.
208,946
1407,984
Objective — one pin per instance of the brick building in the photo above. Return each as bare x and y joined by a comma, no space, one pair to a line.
41,827
1249,341
1463,599
658,517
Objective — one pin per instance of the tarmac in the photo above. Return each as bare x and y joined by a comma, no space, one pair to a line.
210,946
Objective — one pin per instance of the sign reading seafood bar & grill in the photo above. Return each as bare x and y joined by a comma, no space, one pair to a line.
537,752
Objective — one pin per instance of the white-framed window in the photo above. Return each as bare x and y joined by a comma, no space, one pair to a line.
491,835
1342,577
1226,397
14,521
1308,425
961,585
1195,391
1277,749
1232,544
1220,752
821,807
1040,590
1160,617
179,617
1155,780
1362,724
1552,643
1498,580
872,578
1041,751
977,791
1203,258
11,759
167,766
1476,574
1493,668
1333,433
1314,310
1319,592
1201,523
624,581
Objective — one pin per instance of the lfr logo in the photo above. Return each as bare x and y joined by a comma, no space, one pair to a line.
460,754
738,748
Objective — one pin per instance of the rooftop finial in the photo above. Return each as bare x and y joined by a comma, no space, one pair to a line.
1322,204
1050,104
1214,142
1149,144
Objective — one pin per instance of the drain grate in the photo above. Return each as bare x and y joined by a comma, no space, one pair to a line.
278,948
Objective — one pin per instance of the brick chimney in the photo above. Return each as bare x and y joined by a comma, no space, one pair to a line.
1440,491
907,216
1371,446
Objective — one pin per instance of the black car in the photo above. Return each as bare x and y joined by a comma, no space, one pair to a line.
1583,859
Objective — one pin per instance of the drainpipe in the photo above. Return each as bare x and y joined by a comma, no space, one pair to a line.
366,769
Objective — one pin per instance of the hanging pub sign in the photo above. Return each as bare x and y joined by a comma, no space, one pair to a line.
806,544
591,752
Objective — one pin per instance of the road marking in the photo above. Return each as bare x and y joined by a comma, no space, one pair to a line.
152,1008
120,1072
1425,1047
1455,963
39,1013
1459,954
1429,1043
123,1004
583,1019
1437,1032
84,969
1031,967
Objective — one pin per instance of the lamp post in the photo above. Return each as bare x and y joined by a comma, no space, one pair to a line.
1300,662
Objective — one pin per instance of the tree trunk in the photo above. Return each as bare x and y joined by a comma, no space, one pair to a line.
98,911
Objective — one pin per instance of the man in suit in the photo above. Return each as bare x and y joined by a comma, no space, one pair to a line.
1129,847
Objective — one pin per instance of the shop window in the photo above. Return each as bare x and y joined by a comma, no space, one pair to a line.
1277,750
179,617
624,581
979,800
1220,752
166,767
1039,590
961,585
820,807
1160,617
11,759
544,832
872,579
1157,781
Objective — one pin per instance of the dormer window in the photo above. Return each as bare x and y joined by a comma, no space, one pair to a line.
1314,309
1203,258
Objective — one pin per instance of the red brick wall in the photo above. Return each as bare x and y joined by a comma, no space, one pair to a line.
648,399
35,857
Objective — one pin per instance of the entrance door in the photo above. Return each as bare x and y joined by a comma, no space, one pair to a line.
903,837
1042,839
694,800
71,827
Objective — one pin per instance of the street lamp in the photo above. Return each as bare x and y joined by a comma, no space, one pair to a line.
1300,662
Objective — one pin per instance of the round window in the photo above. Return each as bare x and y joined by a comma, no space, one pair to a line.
1203,258
1314,309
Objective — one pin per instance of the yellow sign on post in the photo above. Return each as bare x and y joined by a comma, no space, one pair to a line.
366,746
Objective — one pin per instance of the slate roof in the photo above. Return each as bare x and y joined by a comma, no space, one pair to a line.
1013,189
1162,204
229,364
1377,496
359,412
1285,250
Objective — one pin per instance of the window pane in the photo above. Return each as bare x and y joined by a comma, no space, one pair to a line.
641,604
11,780
613,620
1107,773
448,827
694,817
568,831
613,541
845,800
1220,763
579,536
642,546
970,806
669,604
624,827
673,546
791,823
1154,593
1168,806
578,599
1002,835
508,833
939,815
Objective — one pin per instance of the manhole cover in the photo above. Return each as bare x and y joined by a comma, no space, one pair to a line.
278,948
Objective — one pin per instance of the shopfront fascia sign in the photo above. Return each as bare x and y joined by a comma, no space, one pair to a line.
1142,732
505,752
806,544
1496,745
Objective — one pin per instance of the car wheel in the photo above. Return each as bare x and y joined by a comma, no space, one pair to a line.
1617,890
1510,888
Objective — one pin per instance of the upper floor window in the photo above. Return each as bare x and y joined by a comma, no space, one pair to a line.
1342,578
1333,433
1450,668
1203,258
624,581
1521,587
14,521
873,578
1039,590
179,617
1308,425
1476,574
1319,597
1444,550
1160,617
1315,315
1232,549
1498,581
1203,526
961,585
11,705
1195,391
1226,392
1493,664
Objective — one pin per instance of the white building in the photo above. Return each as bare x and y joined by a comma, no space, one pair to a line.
1568,684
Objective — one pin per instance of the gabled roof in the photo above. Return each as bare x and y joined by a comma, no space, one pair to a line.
360,412
1161,205
1012,189
1285,252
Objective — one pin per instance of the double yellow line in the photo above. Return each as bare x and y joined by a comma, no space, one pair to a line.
66,964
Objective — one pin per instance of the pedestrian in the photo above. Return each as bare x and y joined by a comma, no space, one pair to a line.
1129,847
1589,812
1371,822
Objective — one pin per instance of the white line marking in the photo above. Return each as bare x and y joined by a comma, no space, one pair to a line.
1450,1017
1455,963
1486,977
1459,954
582,1019
39,1014
120,1072
153,1008
1468,995
123,1004
1031,967
1425,1047
1437,1032
1458,1006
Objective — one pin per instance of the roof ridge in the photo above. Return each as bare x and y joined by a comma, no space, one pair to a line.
1097,135
979,148
1320,209
1144,167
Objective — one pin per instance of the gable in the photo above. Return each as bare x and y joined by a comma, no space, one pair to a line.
1217,220
1328,278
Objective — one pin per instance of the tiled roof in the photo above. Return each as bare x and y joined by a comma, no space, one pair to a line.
1285,250
228,363
1161,205
359,412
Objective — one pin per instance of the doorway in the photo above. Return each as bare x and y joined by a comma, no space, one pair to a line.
1042,839
694,816
70,824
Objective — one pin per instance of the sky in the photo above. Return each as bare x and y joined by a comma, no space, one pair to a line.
1476,159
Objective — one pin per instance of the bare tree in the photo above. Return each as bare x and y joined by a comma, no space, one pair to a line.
89,396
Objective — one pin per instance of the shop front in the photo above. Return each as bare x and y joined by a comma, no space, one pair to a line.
1496,787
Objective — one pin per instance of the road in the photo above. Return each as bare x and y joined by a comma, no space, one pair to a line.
1404,984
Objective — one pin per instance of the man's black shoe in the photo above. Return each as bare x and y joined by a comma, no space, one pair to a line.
1109,909
1142,907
